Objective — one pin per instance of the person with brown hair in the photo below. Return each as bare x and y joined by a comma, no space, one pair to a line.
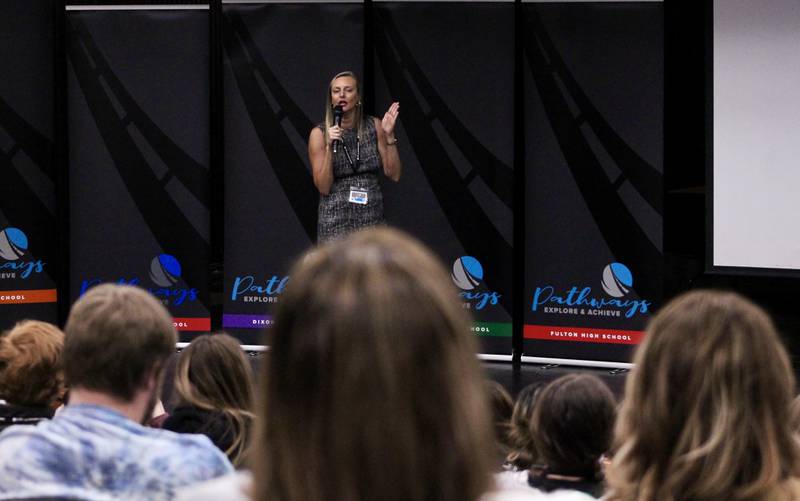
522,454
214,390
31,380
372,389
571,428
116,344
706,414
501,405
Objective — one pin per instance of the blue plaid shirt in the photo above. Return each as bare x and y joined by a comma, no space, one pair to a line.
94,453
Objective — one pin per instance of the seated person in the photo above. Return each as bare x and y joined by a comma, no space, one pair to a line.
31,381
214,389
117,341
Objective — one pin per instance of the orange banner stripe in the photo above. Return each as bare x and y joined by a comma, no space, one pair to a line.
29,296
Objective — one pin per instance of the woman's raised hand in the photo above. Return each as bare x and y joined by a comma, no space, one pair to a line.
390,119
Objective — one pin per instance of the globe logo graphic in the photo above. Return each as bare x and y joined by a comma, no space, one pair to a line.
165,270
617,279
467,273
13,244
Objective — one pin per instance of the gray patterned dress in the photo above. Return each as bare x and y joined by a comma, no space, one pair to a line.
355,166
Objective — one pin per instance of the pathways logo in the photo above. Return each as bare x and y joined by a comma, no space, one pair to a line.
247,290
616,282
13,246
467,275
165,272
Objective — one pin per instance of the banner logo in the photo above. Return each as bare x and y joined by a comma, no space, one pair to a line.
617,281
13,244
248,289
165,270
467,275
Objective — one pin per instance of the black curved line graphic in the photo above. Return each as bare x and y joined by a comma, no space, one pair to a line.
185,168
19,202
479,237
287,163
625,237
498,176
167,223
644,177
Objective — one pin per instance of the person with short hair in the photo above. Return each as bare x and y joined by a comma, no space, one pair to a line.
31,380
707,408
214,389
117,341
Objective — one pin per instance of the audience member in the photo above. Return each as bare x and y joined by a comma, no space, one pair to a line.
522,454
372,390
706,414
31,381
117,340
501,405
214,390
571,428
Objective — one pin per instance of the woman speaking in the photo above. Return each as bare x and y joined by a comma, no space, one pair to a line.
346,152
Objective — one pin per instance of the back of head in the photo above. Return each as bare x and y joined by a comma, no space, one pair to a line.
501,406
373,390
116,336
523,453
30,364
572,425
213,373
706,413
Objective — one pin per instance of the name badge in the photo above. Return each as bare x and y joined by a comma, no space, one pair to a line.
358,196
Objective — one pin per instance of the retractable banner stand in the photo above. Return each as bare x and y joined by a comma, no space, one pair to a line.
279,60
28,229
593,74
451,67
138,99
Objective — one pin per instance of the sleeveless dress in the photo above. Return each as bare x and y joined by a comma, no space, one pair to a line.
337,215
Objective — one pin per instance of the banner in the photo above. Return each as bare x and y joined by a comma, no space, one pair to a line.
279,60
28,213
451,67
593,76
138,100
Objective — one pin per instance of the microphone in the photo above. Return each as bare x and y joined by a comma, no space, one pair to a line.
337,120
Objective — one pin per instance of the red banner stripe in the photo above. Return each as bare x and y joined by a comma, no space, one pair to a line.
582,334
202,324
28,296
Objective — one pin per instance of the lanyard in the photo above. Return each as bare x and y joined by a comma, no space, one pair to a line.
358,154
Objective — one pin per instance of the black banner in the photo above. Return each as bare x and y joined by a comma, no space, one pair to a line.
451,67
594,76
279,59
138,102
28,212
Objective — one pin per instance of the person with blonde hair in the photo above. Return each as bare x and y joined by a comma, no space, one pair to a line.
346,157
31,379
214,389
371,388
706,414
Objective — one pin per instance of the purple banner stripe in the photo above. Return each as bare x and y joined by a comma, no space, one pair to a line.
246,321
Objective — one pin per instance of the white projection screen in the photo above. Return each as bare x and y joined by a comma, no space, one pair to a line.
756,134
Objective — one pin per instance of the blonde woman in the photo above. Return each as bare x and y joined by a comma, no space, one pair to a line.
706,414
347,158
213,384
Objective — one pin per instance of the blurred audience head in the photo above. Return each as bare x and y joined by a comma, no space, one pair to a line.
117,341
372,386
501,405
30,364
572,425
522,454
213,374
707,413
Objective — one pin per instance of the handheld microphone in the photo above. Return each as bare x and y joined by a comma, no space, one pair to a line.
337,120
